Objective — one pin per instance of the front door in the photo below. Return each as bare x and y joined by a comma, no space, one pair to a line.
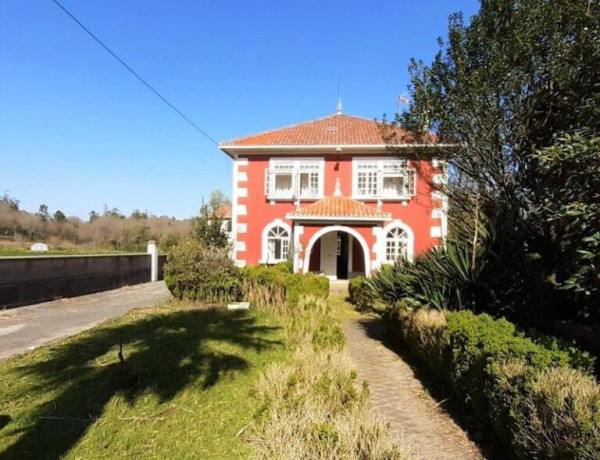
342,256
329,245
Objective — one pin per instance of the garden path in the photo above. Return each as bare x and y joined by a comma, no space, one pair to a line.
399,396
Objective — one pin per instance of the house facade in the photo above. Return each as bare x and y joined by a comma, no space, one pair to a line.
334,197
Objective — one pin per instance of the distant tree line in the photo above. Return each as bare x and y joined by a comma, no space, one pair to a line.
106,230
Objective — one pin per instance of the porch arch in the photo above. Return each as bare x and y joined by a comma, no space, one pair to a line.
338,228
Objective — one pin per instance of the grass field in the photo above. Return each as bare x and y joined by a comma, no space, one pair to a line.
182,392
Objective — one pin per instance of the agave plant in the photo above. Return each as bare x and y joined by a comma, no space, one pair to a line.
393,282
450,277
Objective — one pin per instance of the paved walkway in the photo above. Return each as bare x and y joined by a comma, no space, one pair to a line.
338,287
398,395
24,328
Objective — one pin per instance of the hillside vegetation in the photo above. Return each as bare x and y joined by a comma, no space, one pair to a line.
110,230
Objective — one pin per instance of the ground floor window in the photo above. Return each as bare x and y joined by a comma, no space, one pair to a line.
396,244
278,244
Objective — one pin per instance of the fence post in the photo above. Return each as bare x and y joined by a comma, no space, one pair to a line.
153,251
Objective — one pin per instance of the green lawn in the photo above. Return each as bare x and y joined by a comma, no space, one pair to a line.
342,309
182,392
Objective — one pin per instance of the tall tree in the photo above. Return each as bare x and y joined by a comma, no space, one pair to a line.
12,203
208,228
43,212
217,199
503,88
504,85
139,215
59,216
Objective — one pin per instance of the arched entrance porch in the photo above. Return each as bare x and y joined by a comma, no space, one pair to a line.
338,252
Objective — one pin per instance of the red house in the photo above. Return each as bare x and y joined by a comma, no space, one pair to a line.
334,197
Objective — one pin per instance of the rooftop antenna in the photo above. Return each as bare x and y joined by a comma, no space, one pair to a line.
339,103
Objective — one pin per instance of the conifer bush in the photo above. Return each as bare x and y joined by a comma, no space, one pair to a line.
194,271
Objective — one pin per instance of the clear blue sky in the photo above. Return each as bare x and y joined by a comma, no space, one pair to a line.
78,131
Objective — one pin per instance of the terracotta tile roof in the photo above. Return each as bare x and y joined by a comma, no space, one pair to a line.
337,129
339,207
224,211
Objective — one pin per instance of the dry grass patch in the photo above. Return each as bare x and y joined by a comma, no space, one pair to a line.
313,406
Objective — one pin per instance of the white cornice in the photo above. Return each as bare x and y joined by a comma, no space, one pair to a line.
232,150
292,216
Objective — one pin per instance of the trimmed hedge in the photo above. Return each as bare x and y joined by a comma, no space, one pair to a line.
516,386
361,294
265,286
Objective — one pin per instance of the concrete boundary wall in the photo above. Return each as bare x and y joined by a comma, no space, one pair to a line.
28,280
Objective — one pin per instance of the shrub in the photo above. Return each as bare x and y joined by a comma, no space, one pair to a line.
577,357
196,272
448,277
274,286
285,267
361,294
498,374
263,286
309,284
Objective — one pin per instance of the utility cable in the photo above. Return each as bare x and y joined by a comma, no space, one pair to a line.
122,62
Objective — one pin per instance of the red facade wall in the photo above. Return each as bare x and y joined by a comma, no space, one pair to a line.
315,257
261,212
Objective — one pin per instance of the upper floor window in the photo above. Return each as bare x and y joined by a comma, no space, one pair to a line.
288,179
383,178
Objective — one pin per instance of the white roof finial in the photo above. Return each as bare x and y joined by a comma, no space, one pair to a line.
339,106
338,189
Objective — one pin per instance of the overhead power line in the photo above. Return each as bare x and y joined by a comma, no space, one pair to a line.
135,74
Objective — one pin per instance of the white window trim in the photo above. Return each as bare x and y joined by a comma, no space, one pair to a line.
380,160
265,241
296,170
381,243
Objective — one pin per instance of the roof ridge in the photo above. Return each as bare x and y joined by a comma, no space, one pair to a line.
333,115
373,212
